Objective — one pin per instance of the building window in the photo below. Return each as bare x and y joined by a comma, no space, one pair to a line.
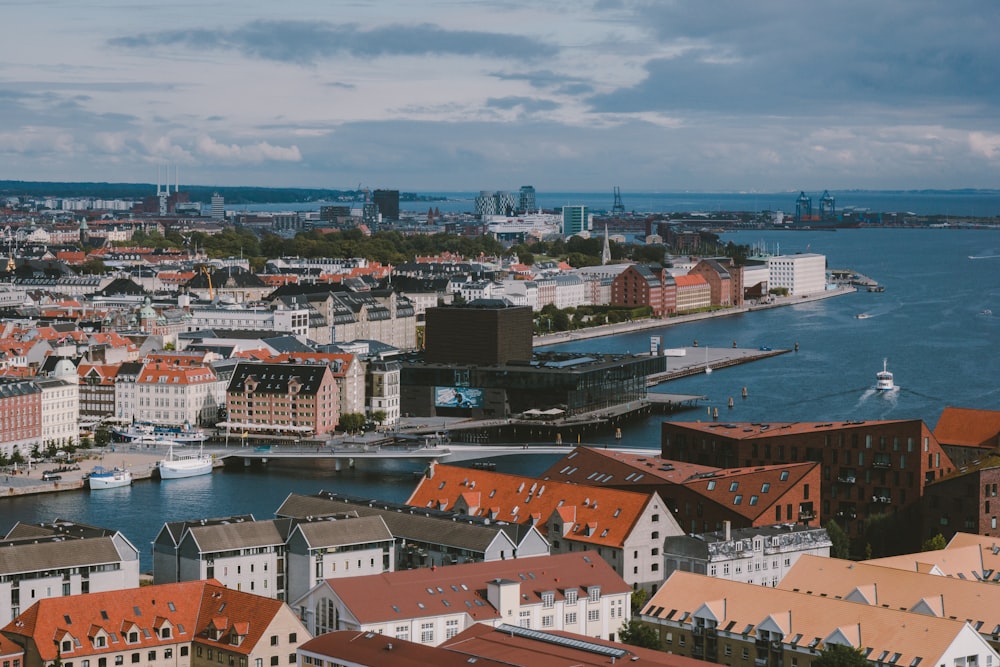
274,640
547,621
593,614
274,661
168,652
571,618
151,656
426,633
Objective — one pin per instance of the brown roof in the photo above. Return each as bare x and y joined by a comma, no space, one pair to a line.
551,648
369,648
408,594
966,427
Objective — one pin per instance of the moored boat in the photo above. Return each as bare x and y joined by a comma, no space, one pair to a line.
104,478
152,433
185,466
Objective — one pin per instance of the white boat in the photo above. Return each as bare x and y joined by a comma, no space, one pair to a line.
153,434
103,478
883,379
862,316
185,466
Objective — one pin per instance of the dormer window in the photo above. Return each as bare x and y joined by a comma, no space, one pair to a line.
66,645
133,637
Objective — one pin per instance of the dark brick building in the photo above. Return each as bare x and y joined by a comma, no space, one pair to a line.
484,332
868,468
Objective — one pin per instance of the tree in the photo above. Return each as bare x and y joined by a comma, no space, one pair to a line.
379,416
840,543
638,600
637,633
352,421
839,655
935,543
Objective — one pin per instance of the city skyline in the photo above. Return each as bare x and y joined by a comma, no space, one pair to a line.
771,96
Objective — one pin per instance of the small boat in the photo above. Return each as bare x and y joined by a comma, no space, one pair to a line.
986,313
862,316
883,379
186,466
103,478
153,434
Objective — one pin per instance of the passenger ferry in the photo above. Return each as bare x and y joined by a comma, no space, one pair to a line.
883,379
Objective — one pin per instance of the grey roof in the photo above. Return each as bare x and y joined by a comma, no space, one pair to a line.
331,532
410,523
234,536
25,556
175,529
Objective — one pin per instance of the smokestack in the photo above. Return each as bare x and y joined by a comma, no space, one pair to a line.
726,530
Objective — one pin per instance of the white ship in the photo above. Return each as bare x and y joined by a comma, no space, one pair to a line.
153,434
883,379
103,478
186,466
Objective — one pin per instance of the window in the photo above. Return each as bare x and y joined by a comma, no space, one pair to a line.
292,638
291,659
594,593
548,599
184,651
571,596
274,661
426,633
451,628
274,640
654,518
547,621
571,618
168,653
151,656
593,614
119,660
135,658
737,499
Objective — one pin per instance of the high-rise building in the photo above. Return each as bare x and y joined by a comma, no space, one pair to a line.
218,207
387,203
576,219
526,199
495,203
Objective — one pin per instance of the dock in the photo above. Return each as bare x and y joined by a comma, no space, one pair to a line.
695,360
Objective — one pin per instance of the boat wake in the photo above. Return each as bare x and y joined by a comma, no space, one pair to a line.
984,256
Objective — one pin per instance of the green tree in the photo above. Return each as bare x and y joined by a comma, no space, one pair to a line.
352,421
637,633
839,655
379,416
840,543
638,600
935,543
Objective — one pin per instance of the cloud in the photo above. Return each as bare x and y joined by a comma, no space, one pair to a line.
250,153
527,104
307,42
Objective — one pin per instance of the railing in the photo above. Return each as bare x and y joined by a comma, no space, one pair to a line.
881,464
805,515
881,499
698,630
847,479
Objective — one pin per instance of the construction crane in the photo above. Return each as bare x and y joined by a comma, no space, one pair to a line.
208,277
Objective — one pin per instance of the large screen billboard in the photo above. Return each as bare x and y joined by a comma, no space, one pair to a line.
458,397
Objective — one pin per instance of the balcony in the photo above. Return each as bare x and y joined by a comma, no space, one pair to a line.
881,463
777,647
847,479
698,630
760,662
697,652
882,499
806,515
847,514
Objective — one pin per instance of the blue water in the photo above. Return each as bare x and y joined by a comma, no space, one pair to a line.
928,324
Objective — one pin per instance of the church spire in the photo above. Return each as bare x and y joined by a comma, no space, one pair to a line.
606,251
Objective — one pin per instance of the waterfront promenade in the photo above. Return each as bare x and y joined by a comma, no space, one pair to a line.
659,323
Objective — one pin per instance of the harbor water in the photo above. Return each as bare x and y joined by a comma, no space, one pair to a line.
934,324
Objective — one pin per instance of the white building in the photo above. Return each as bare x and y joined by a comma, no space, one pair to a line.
751,555
570,291
800,274
521,293
50,560
382,380
575,592
293,320
60,405
177,395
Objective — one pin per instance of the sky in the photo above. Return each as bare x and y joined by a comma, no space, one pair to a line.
449,95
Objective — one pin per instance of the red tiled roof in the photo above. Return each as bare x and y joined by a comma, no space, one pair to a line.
690,280
614,511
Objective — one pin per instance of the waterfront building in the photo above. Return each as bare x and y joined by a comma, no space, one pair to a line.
724,280
752,555
60,405
426,537
746,625
283,399
919,591
486,332
97,390
570,292
702,498
693,293
382,391
176,395
59,559
576,220
625,528
638,285
964,500
521,293
348,372
192,623
800,274
20,415
868,468
576,592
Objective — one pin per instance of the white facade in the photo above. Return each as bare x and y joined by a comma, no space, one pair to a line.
175,396
800,274
293,321
521,293
62,567
60,410
570,292
384,394
749,555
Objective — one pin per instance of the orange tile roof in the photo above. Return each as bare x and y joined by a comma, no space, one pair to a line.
614,511
188,607
175,375
967,427
690,280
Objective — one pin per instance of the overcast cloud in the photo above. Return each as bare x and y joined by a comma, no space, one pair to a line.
450,95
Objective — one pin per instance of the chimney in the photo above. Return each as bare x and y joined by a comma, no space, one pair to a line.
727,530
